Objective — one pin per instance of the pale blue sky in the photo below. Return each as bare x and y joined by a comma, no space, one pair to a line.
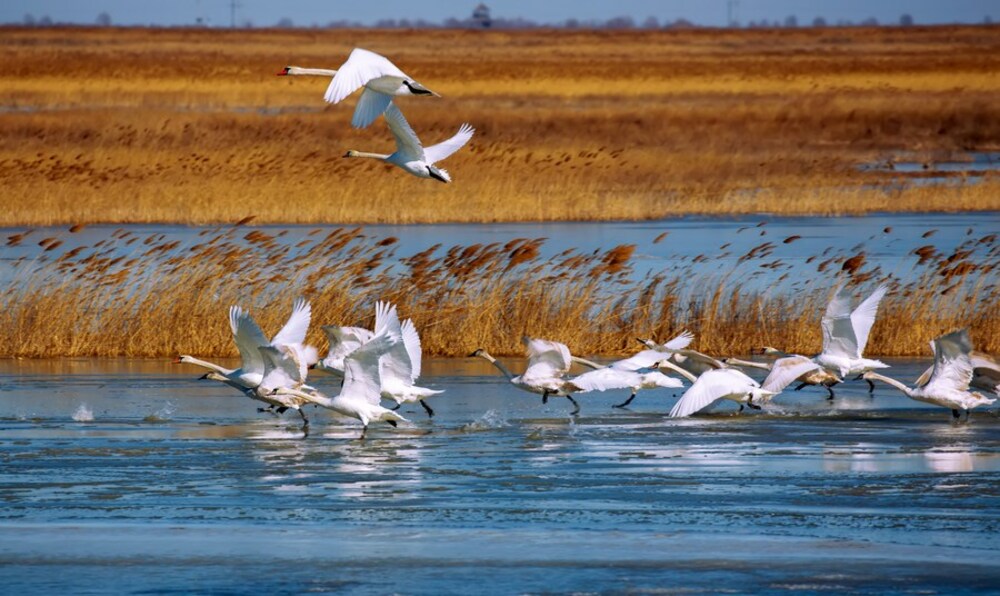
307,12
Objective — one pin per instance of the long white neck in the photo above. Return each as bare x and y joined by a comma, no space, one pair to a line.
678,370
485,355
205,364
313,398
317,72
747,363
888,381
382,156
585,362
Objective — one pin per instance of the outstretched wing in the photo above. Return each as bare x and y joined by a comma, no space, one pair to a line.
442,150
710,387
395,364
361,367
294,331
344,340
863,317
248,337
680,342
361,66
786,370
411,339
603,379
371,105
838,331
643,359
546,358
281,368
407,143
952,364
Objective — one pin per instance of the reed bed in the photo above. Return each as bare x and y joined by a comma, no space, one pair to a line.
191,126
148,296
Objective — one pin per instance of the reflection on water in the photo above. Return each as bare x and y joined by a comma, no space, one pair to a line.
214,492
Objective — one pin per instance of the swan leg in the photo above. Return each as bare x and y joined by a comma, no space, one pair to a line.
430,412
955,414
397,406
741,409
576,406
545,396
364,431
801,385
871,387
830,390
626,402
305,421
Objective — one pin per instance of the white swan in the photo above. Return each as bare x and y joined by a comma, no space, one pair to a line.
381,79
343,341
845,334
410,155
548,362
716,384
985,373
249,337
948,384
812,376
692,361
400,366
360,395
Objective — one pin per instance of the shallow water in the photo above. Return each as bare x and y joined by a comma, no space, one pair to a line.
179,485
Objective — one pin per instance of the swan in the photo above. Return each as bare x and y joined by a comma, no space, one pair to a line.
400,366
692,361
249,337
360,395
548,361
985,373
381,79
343,341
948,384
845,334
735,385
410,155
813,376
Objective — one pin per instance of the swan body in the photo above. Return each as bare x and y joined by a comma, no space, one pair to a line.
400,366
985,373
609,377
410,155
816,375
343,341
548,362
845,334
723,383
948,384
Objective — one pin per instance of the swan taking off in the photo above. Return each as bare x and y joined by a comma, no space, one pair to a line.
410,155
343,341
721,383
985,373
548,362
845,334
400,366
948,384
816,375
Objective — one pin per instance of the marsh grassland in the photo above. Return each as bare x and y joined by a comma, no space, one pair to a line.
192,126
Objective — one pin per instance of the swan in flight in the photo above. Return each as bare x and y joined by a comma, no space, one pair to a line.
678,353
360,394
548,362
343,341
249,337
400,366
813,376
985,373
845,334
381,79
410,155
948,384
735,385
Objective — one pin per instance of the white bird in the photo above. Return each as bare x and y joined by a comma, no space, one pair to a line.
400,366
845,334
721,383
985,373
249,337
948,384
410,155
360,395
812,376
343,341
692,361
381,79
548,362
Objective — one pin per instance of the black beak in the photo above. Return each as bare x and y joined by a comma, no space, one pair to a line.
204,376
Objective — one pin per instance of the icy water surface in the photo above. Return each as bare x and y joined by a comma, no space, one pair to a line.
131,477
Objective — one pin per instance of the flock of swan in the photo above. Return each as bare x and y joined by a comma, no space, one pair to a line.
384,364
382,81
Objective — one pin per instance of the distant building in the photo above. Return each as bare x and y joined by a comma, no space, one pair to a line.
481,16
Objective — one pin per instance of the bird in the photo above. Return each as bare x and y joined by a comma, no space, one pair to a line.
381,79
845,334
360,394
812,376
692,361
343,341
948,384
735,385
410,155
548,362
249,337
400,366
985,372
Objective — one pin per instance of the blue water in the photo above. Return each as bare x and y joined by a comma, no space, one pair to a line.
167,484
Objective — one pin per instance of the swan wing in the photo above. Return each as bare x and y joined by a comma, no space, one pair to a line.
952,363
395,363
294,331
838,331
547,358
361,368
281,368
371,105
786,370
344,340
407,144
680,342
411,340
603,379
248,337
863,317
442,150
643,359
361,66
710,387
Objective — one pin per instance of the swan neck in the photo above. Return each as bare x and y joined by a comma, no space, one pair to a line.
889,381
318,72
585,362
503,369
206,364
678,370
382,156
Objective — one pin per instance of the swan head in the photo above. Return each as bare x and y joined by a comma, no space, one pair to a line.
646,342
286,71
183,359
416,88
766,350
478,352
351,153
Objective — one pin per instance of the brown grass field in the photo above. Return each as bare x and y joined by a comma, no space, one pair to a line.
186,125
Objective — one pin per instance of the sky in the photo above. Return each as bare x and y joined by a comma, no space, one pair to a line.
319,12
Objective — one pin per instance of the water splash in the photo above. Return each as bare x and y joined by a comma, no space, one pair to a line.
492,419
164,414
83,414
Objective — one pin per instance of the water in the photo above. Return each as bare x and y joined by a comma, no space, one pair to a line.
178,485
